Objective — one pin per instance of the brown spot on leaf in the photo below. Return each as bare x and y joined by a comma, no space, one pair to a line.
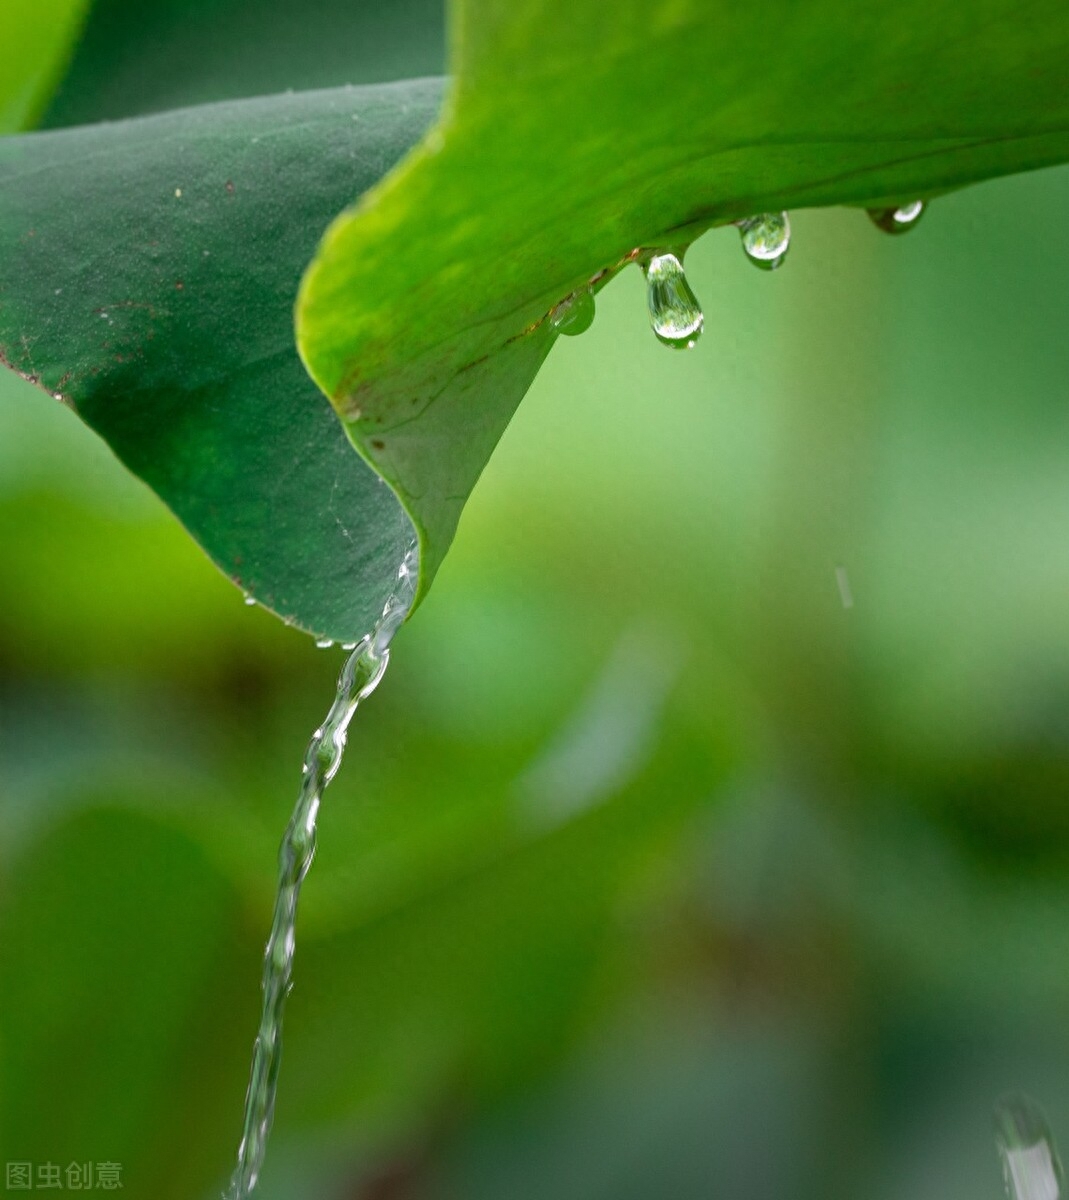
378,443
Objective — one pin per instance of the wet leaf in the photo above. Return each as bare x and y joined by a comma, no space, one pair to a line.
574,135
147,275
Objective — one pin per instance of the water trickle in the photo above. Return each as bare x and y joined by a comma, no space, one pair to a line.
1030,1164
675,314
359,677
574,314
766,239
897,220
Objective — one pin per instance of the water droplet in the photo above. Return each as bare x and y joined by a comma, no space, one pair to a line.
1030,1163
766,238
349,645
574,314
324,643
675,314
250,601
178,193
897,220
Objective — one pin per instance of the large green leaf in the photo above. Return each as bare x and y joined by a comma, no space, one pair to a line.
35,39
147,276
578,131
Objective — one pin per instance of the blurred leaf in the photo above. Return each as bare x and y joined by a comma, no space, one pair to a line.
477,978
571,138
35,40
146,278
135,58
657,1107
119,947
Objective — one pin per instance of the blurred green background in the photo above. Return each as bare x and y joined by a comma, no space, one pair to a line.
654,869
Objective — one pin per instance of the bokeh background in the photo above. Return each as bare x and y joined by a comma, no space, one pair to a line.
663,863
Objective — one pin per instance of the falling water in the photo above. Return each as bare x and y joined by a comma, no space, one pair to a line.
358,679
1030,1163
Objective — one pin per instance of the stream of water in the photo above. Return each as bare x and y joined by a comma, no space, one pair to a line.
359,677
1030,1164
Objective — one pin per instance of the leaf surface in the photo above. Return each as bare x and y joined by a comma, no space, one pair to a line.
147,276
136,58
577,132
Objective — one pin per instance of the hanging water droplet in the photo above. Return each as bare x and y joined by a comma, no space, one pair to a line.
766,238
574,314
348,645
897,220
675,314
250,601
1030,1165
324,643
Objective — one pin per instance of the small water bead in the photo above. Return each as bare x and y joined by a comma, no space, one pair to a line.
250,601
766,238
1030,1164
574,314
324,643
897,220
675,314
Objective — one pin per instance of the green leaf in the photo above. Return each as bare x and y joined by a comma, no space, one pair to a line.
136,58
574,135
147,276
35,40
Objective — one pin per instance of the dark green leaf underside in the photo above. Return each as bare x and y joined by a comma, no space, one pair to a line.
136,57
147,276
